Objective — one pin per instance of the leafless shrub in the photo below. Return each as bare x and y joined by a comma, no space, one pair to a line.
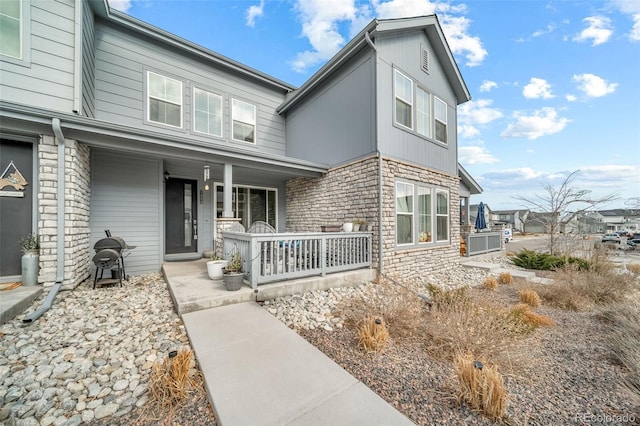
505,278
169,380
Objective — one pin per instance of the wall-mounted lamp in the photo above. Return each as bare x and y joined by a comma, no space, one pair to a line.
166,175
206,178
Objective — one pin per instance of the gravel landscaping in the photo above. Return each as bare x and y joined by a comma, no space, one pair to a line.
89,358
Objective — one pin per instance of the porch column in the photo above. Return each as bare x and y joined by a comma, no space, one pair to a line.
227,210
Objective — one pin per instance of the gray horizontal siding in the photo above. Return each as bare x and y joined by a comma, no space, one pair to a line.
403,52
47,80
88,62
124,57
336,122
126,199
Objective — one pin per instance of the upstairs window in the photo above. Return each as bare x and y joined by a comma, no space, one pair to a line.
423,116
11,28
164,100
440,115
404,99
207,114
243,116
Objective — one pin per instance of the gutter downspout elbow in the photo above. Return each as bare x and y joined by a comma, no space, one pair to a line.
367,37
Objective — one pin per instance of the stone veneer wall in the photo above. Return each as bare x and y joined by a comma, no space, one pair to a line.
345,193
351,191
223,224
77,265
407,264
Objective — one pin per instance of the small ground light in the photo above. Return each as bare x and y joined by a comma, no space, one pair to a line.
378,321
173,354
478,365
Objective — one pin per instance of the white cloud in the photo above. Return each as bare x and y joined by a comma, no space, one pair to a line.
475,155
403,8
487,85
598,30
254,12
537,88
593,86
455,29
542,122
320,20
475,113
571,98
121,5
631,8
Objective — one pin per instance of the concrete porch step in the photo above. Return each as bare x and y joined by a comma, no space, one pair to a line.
14,302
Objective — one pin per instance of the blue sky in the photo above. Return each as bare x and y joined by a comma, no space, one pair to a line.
555,84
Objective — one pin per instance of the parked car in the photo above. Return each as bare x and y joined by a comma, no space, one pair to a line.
611,238
622,233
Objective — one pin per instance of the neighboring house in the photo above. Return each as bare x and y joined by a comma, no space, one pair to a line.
513,219
118,125
617,220
537,222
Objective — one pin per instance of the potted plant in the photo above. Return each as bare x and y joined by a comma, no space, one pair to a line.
347,226
233,276
215,265
30,247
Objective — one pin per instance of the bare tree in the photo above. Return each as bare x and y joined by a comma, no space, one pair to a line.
561,205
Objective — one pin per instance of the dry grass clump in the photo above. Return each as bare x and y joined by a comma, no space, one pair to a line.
634,269
490,283
623,338
372,334
478,326
525,320
584,290
400,309
169,380
505,278
530,297
481,386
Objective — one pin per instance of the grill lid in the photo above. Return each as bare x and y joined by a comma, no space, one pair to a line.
106,258
113,243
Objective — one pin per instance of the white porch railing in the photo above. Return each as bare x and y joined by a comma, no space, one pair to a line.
275,257
483,242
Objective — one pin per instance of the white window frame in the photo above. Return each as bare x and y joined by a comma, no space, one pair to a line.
149,97
236,200
399,98
208,111
254,124
425,114
436,119
438,215
410,214
24,57
415,215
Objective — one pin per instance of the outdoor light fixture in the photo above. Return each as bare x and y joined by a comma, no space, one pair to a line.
166,175
206,178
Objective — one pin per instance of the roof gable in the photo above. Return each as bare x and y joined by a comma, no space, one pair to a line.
365,39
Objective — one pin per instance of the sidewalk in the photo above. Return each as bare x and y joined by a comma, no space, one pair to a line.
259,372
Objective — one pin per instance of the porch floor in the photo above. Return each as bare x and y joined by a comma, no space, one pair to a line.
192,290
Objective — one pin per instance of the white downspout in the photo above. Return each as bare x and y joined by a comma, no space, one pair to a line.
57,131
380,191
77,58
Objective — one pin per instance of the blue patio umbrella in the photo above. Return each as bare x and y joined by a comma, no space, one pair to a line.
481,222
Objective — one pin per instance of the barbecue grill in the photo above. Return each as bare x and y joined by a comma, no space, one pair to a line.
110,254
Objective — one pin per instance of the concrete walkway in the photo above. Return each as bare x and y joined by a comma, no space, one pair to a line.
259,372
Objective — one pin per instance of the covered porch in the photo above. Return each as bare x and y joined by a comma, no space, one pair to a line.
192,290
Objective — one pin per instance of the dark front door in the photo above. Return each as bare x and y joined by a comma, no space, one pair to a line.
16,202
181,222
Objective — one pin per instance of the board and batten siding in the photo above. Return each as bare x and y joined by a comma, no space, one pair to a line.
336,122
126,198
88,62
44,78
123,58
404,53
